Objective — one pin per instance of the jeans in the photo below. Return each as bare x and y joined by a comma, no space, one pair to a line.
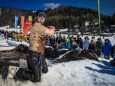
36,64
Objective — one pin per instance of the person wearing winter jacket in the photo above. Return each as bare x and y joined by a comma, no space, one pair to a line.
99,44
107,49
92,45
79,41
68,44
86,43
52,41
93,40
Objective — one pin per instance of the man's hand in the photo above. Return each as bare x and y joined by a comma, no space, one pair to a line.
50,30
51,27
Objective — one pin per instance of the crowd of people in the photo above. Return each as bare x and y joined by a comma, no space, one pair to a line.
14,35
71,42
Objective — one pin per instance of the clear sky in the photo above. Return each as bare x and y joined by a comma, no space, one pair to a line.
107,6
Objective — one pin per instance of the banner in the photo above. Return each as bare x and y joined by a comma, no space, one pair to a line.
27,25
22,22
30,18
16,22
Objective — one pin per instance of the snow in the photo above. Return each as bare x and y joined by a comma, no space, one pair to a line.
6,28
9,44
4,45
73,73
82,73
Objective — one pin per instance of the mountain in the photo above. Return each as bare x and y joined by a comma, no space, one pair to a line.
61,17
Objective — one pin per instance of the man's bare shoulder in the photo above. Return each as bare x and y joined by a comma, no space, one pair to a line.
37,24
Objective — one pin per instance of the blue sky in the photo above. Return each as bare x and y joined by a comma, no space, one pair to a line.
107,6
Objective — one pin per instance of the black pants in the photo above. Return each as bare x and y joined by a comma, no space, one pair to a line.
36,65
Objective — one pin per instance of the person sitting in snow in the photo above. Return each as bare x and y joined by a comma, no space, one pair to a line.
58,41
52,41
63,45
93,39
79,41
99,44
68,44
92,45
86,43
74,45
107,49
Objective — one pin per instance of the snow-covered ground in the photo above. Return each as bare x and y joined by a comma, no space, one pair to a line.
4,45
7,28
74,73
8,44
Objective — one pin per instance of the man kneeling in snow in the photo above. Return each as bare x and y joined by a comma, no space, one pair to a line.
35,59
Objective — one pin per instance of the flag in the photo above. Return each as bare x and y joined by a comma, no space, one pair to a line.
16,21
27,25
22,22
30,18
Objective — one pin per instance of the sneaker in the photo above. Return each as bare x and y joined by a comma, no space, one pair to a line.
12,71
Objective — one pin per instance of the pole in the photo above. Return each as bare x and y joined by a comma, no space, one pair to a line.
99,22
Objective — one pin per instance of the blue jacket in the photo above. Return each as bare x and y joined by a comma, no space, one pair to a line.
58,39
68,44
107,49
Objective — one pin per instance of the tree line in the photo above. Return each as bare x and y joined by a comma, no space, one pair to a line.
61,17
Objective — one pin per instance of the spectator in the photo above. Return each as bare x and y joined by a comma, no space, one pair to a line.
107,49
92,45
93,40
99,44
68,44
74,45
86,43
79,41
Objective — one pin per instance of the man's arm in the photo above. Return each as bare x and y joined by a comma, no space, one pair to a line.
50,30
47,30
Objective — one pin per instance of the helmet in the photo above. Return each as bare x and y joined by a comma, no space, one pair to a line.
40,14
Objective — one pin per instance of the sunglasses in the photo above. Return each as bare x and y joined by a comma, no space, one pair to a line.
43,15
